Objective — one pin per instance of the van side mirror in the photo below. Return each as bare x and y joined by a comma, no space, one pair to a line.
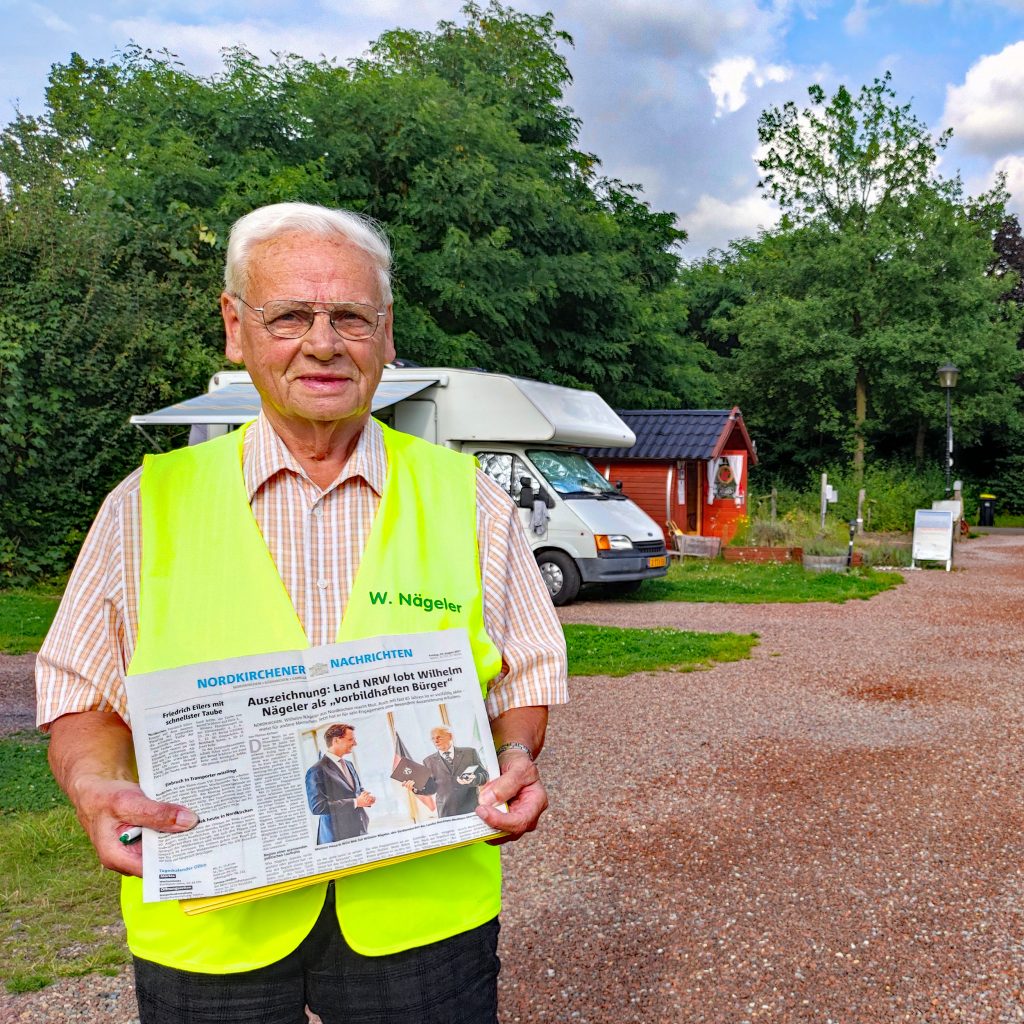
618,486
528,494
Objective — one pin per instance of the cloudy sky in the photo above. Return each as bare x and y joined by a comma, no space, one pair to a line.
668,90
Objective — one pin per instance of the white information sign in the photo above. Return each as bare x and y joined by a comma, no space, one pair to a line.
933,536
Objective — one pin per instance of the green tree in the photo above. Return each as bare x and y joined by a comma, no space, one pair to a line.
844,157
512,252
1008,265
876,275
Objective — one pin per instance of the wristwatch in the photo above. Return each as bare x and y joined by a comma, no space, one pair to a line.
513,745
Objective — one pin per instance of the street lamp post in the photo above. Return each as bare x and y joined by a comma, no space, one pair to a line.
948,375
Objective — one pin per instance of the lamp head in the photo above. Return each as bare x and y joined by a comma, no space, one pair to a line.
948,374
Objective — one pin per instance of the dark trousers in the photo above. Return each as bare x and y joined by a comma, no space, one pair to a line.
454,981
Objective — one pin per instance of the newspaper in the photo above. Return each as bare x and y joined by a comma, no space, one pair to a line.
243,743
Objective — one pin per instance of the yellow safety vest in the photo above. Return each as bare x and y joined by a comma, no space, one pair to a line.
209,590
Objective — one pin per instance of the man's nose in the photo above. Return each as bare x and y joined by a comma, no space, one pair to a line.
322,341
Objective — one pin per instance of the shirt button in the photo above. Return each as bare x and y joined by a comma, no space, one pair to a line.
318,510
322,584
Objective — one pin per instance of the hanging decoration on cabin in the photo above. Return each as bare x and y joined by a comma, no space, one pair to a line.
725,480
680,483
725,476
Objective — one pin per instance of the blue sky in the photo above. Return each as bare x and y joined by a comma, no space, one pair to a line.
668,90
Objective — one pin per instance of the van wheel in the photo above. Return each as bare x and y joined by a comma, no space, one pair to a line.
560,576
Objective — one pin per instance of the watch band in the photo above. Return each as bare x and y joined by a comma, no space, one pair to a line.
513,745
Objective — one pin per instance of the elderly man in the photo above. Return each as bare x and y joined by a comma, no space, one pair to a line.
271,538
456,775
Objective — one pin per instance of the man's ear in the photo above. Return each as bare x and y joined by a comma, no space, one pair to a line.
232,328
389,337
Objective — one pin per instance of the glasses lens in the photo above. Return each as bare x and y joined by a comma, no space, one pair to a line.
286,318
354,320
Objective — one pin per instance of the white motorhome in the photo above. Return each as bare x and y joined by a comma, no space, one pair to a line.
523,433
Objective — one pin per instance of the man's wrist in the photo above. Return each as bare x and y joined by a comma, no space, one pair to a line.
514,745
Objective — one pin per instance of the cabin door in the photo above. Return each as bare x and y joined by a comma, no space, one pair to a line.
694,498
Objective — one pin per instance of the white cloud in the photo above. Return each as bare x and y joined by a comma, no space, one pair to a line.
407,13
675,28
714,222
986,111
199,46
1013,168
728,79
856,21
50,20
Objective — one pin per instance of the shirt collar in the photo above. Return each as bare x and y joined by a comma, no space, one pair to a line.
265,455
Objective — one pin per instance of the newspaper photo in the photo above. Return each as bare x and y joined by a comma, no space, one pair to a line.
311,762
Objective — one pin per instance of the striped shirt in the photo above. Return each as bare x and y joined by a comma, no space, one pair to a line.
316,538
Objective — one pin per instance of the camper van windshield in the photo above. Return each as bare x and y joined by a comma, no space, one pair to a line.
571,475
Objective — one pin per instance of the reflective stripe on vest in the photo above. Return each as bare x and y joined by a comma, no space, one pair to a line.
209,590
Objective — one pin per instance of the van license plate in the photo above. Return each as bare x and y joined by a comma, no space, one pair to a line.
656,563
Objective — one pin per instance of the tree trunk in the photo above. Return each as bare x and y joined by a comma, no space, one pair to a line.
858,427
919,444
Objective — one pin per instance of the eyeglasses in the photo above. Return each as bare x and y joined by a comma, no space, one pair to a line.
292,318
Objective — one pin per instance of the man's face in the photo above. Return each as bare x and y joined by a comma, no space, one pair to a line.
442,741
321,377
342,745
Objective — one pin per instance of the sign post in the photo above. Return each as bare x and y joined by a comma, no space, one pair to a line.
933,537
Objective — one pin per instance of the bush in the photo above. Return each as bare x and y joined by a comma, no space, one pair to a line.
1010,488
887,553
894,491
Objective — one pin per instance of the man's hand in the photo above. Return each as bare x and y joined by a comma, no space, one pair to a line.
365,799
92,758
107,807
520,787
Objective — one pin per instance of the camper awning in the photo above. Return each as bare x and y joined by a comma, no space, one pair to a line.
238,403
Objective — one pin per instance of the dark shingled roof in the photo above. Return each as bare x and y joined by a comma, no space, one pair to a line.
675,434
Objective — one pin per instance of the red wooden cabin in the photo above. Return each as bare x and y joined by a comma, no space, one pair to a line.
677,452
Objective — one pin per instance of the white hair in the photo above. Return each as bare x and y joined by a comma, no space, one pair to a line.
268,222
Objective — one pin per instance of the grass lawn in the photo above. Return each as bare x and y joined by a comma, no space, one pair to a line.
750,583
1015,521
609,651
25,616
58,908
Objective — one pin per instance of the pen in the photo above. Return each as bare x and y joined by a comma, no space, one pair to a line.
131,835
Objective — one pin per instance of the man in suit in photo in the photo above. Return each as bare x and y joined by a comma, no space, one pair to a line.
334,791
456,775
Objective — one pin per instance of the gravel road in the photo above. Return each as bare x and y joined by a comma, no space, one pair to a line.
828,832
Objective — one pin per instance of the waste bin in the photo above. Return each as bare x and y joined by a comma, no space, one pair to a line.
986,510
